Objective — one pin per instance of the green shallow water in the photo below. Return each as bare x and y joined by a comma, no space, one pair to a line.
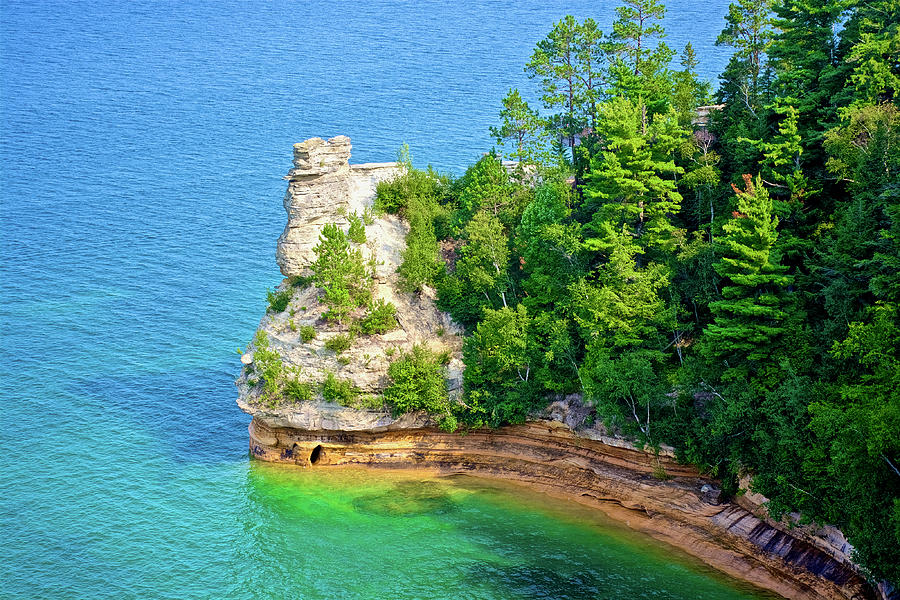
376,534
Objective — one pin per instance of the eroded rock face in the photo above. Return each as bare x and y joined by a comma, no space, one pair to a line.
323,188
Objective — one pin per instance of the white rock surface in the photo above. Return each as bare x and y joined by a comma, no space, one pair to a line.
322,188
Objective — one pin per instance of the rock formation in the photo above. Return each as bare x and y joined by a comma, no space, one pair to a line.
323,188
557,452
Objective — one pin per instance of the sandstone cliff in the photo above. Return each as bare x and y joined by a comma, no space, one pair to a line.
557,452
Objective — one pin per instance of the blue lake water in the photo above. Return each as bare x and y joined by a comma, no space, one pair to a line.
143,146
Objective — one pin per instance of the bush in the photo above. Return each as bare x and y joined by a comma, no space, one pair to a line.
339,343
279,300
307,333
268,366
382,318
299,281
298,391
339,390
418,382
357,230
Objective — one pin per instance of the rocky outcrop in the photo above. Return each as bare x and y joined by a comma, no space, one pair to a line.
323,188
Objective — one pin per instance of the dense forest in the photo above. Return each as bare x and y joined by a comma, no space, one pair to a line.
717,273
726,281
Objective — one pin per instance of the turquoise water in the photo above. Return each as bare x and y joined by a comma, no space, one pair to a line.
140,197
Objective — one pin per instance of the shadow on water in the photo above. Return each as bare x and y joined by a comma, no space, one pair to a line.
192,414
407,499
530,581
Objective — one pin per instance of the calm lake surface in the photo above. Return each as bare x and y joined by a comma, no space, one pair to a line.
142,152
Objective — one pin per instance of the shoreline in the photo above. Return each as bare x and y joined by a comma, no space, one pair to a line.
683,510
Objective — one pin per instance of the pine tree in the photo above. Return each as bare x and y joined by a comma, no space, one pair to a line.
874,32
749,317
640,69
569,63
523,128
632,179
689,92
748,30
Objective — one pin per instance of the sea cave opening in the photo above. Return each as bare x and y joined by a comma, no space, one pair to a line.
315,455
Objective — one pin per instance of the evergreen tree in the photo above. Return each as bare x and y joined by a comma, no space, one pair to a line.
523,128
874,29
632,179
341,272
749,317
748,30
569,64
485,184
689,91
809,68
640,68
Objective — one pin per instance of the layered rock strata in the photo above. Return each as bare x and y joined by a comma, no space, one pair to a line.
323,188
683,509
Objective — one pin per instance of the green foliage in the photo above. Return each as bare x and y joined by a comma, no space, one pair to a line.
278,382
341,272
875,76
689,90
268,367
381,318
549,246
484,259
300,281
421,263
632,179
749,317
427,187
339,343
357,230
418,382
498,382
485,185
523,129
639,68
307,333
279,300
340,391
568,63
419,197
748,30
298,391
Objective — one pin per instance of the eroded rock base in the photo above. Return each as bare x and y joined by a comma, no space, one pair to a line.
656,495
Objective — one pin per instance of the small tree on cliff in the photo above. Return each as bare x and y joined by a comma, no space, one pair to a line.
341,272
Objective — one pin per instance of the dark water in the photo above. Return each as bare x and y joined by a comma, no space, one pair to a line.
142,151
